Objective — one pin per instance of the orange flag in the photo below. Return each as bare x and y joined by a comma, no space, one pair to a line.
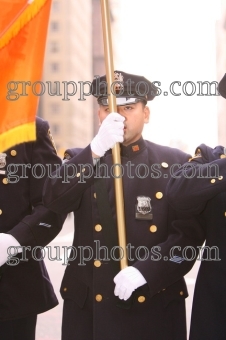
23,30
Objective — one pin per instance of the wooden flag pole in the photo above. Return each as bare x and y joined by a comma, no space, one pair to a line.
116,150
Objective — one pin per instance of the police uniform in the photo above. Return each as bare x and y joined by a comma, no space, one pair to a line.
25,289
157,310
201,190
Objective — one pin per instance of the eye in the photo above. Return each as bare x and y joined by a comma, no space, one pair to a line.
128,107
107,110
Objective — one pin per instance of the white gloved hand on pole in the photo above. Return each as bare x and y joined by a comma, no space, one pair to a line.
6,241
110,133
126,281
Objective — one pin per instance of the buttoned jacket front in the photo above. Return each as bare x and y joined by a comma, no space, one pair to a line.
88,280
25,288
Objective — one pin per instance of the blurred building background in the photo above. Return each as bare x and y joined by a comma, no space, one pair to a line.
151,39
74,53
68,59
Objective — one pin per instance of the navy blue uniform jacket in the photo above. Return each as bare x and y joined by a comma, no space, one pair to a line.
90,310
200,189
25,289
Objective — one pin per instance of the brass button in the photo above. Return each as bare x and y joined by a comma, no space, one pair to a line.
99,297
141,299
84,169
213,180
181,293
97,263
153,228
95,195
164,165
78,174
159,195
222,156
5,180
65,289
220,178
98,227
225,214
0,211
13,152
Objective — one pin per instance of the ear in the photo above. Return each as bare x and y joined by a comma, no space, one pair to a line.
146,114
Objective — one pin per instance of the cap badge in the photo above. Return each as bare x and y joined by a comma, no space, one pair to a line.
119,77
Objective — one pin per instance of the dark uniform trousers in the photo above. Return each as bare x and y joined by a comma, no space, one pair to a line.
25,289
200,189
90,308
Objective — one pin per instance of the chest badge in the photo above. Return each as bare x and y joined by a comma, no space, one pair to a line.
143,208
2,163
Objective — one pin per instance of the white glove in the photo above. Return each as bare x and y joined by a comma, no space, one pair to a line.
6,241
127,280
110,133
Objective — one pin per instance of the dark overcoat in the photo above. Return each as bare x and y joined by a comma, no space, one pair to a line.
25,288
91,310
200,189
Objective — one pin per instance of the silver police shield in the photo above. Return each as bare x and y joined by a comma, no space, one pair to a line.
143,208
2,160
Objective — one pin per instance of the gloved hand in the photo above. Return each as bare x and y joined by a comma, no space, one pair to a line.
110,133
127,280
6,241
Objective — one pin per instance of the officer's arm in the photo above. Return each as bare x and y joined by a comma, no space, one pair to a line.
42,225
195,183
169,261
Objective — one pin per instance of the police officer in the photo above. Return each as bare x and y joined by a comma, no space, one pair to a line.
199,188
147,299
25,288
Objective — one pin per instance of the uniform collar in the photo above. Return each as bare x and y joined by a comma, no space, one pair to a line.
133,149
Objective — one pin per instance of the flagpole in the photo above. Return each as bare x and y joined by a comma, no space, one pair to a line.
116,149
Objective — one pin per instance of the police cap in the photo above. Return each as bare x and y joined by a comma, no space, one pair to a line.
128,88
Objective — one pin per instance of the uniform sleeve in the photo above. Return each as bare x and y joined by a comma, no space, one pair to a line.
42,225
196,182
63,193
170,260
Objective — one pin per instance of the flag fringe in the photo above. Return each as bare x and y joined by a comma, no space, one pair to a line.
17,135
27,15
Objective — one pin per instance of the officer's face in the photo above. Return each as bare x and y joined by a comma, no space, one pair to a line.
136,115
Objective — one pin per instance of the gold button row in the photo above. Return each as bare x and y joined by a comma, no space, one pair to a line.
5,180
153,228
13,153
141,299
98,227
159,195
99,298
97,263
0,211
